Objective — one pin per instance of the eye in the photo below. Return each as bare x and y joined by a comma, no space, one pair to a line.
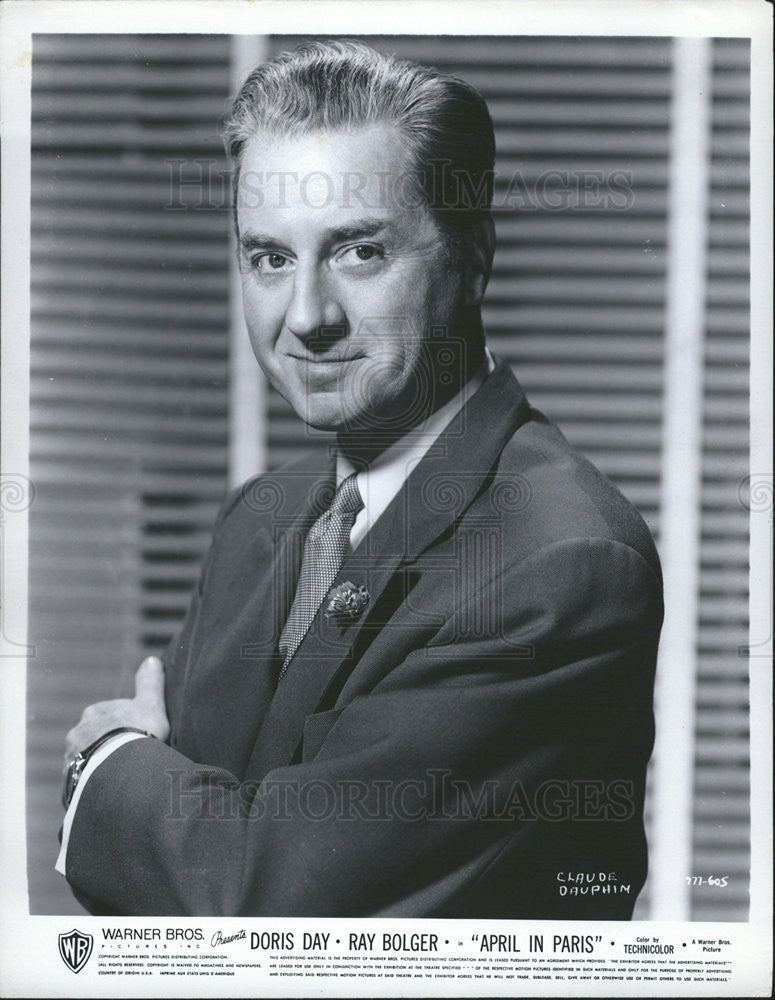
271,262
363,253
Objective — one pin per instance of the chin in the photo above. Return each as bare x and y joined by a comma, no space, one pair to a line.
330,425
322,416
334,420
329,411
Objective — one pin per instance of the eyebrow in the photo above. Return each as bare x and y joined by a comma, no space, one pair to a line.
360,227
257,241
357,229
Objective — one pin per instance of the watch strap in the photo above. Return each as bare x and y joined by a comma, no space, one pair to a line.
81,759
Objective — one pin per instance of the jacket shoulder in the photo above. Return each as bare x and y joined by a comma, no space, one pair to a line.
565,496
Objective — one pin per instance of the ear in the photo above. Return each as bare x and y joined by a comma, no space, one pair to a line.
479,264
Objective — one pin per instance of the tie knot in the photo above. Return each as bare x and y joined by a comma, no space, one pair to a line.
347,499
344,507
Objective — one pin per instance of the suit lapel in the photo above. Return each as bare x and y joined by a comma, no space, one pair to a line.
289,526
433,498
234,676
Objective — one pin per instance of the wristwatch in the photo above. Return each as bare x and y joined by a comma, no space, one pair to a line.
81,759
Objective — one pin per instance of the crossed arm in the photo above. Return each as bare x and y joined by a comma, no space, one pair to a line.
463,784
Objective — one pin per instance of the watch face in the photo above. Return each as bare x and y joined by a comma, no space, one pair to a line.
78,763
71,780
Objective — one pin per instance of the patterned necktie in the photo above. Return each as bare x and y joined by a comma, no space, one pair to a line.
324,552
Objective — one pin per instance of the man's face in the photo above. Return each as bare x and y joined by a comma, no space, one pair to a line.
344,276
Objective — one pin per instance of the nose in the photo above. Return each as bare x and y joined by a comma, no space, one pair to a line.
314,312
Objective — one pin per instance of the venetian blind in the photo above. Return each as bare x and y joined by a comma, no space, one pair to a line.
129,363
721,827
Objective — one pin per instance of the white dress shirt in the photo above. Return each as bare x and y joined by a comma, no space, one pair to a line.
378,484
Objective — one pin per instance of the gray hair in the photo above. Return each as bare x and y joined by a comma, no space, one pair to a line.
338,86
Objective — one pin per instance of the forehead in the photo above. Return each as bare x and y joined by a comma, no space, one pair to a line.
325,176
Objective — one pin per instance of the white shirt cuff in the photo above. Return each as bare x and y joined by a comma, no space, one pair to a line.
94,762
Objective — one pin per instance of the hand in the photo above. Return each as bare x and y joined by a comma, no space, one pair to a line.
145,711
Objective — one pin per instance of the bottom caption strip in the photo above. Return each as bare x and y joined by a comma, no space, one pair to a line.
505,960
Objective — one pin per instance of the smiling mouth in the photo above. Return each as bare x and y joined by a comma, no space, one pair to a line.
326,361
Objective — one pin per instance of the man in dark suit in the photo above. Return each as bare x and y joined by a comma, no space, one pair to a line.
416,676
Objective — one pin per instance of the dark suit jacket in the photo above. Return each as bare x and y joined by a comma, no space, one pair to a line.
472,746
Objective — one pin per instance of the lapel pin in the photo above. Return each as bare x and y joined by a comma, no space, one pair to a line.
346,603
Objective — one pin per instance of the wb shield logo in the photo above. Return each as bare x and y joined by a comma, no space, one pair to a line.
75,949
